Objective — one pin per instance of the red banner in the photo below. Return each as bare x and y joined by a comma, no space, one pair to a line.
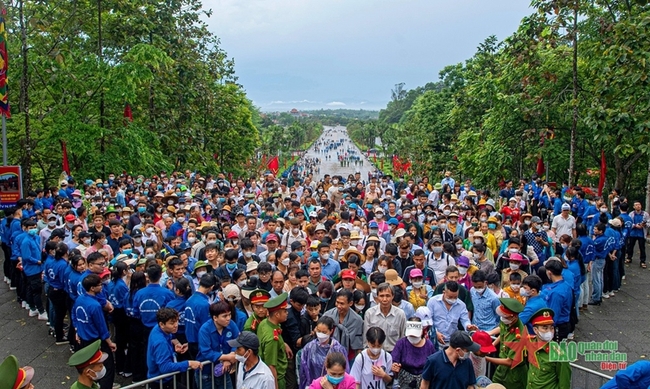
11,186
603,173
274,165
540,167
64,151
128,115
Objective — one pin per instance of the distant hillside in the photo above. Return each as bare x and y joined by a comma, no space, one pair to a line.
360,114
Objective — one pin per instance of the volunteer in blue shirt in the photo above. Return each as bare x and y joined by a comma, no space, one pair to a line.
88,319
57,270
601,252
162,349
118,293
95,264
197,311
32,267
213,346
531,288
559,297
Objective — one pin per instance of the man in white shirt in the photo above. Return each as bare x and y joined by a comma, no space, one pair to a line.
564,223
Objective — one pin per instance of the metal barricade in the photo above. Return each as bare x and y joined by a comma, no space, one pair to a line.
170,380
584,378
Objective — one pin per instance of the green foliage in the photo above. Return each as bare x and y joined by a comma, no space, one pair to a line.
494,115
158,57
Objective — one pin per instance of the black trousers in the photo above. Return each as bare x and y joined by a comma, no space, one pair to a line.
138,342
72,332
631,241
34,285
59,300
6,264
122,325
562,331
107,381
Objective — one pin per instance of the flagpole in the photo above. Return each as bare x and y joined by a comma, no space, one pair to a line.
4,140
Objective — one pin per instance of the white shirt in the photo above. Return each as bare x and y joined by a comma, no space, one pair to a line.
260,377
563,226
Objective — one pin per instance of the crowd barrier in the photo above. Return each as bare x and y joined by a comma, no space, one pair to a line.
584,378
581,378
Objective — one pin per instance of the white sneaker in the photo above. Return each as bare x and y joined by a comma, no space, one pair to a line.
570,336
23,304
43,316
605,295
33,313
623,277
12,288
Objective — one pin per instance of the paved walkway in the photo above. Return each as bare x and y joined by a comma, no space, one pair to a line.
333,166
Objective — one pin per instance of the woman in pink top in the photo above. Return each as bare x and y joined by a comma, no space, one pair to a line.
98,241
336,377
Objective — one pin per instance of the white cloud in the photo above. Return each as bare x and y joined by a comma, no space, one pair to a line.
335,104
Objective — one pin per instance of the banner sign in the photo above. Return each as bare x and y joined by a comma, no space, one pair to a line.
11,186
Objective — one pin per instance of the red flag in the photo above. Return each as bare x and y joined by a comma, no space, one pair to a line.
4,61
127,113
66,165
274,165
603,173
406,166
540,167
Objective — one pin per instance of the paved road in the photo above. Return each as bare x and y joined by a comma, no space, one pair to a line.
333,166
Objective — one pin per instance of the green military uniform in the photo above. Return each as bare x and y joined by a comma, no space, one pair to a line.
513,377
13,376
548,375
256,296
86,357
272,350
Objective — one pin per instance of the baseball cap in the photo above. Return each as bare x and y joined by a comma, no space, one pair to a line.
484,340
415,273
393,222
272,237
246,339
413,328
373,224
70,218
347,274
566,207
461,339
424,313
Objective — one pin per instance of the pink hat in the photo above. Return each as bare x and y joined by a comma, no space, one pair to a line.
76,192
516,257
415,273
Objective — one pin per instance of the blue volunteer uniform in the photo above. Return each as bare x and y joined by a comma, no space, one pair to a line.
197,312
148,301
88,319
161,358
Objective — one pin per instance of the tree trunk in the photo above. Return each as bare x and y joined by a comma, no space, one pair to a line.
647,189
620,172
24,99
100,53
574,124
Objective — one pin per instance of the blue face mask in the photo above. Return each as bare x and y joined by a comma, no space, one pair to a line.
222,200
142,209
492,226
127,251
231,266
159,187
251,201
146,193
334,380
314,254
324,300
32,232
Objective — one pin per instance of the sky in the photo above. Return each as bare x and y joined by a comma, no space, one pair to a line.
312,54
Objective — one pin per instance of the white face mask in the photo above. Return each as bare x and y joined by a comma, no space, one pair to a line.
374,351
462,270
451,301
322,338
149,230
191,239
51,224
240,358
373,291
545,336
414,339
99,374
359,307
514,266
417,284
524,293
513,250
506,321
286,261
200,274
479,290
459,247
478,241
442,226
382,269
242,283
515,288
406,215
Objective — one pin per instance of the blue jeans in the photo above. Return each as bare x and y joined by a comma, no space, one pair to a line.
616,280
597,267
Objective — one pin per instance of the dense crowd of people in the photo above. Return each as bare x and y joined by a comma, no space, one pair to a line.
338,283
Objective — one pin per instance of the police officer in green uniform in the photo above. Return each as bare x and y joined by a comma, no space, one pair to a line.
89,362
546,374
14,377
511,365
273,350
258,298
